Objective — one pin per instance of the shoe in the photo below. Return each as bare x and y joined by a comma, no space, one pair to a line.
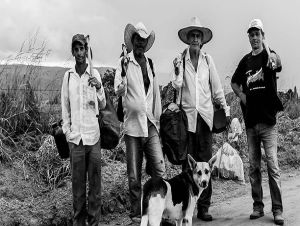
204,215
256,214
278,218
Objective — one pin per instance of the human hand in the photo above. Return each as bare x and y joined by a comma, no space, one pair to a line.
176,62
94,82
125,61
272,61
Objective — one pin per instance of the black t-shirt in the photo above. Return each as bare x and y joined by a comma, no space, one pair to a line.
259,84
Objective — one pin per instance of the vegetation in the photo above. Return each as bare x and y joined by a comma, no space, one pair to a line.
35,184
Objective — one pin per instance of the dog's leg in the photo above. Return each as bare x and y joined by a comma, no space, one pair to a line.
179,222
144,220
187,221
155,210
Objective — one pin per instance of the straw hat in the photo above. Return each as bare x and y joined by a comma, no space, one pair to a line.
195,25
141,30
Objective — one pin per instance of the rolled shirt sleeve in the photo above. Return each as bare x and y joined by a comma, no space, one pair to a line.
100,93
216,86
118,78
65,106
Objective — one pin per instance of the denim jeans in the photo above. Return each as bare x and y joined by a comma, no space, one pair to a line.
268,136
86,159
155,166
200,148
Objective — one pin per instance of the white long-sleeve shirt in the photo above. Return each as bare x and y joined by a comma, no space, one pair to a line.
196,92
79,103
138,106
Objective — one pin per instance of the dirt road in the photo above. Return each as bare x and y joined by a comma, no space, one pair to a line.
236,211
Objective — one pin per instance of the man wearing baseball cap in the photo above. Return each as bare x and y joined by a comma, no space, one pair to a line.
196,76
81,93
254,82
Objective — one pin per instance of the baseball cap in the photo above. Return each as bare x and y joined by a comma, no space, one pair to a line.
256,23
79,38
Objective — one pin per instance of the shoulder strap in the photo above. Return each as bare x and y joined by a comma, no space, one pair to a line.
151,66
69,78
69,74
209,78
123,74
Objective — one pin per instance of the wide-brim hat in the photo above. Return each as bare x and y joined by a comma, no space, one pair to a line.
195,25
141,30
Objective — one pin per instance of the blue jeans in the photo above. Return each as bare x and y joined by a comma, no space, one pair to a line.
135,148
86,160
268,136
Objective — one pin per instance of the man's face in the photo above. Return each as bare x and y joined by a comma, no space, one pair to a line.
255,38
79,52
195,39
139,44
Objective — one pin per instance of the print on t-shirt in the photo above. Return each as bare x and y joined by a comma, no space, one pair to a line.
255,79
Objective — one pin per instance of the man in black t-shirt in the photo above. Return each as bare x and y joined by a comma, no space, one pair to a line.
254,82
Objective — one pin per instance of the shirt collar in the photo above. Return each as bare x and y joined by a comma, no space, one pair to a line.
132,59
87,70
188,56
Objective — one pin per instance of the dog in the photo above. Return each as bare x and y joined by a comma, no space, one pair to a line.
175,199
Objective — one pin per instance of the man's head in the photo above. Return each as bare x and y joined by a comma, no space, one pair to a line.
137,38
195,35
256,34
138,44
79,48
195,38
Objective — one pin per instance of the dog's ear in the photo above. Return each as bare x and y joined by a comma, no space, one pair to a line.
192,162
212,161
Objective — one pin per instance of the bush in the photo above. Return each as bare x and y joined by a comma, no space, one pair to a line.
293,109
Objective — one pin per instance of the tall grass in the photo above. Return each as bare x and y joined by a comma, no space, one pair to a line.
24,120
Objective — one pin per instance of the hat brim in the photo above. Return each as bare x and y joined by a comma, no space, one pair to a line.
254,28
129,31
207,34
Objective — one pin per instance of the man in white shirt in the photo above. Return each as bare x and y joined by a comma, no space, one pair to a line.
199,85
135,81
81,93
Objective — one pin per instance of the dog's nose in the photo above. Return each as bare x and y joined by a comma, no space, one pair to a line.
204,183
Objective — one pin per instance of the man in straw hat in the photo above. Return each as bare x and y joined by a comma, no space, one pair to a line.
80,95
254,82
135,81
200,84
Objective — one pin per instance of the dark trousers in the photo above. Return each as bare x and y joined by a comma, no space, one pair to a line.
85,159
200,148
135,148
268,136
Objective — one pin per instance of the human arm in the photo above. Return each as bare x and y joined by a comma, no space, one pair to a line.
236,82
216,86
177,72
65,106
120,82
97,82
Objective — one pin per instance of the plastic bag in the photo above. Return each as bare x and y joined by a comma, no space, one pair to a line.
229,164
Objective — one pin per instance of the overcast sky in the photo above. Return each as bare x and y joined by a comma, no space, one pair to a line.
104,21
